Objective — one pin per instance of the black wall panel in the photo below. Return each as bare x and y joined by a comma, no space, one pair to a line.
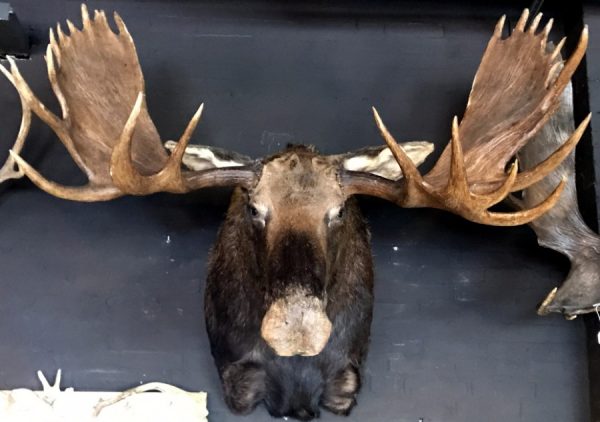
112,292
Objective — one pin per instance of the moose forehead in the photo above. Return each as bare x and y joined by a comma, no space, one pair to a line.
298,179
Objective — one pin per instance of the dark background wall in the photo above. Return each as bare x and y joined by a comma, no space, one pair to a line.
112,292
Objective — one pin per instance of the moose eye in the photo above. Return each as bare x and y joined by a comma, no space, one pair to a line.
258,215
253,211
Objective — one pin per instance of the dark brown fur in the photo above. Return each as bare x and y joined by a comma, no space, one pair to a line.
243,280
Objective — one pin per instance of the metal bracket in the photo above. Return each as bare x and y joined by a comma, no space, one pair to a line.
13,38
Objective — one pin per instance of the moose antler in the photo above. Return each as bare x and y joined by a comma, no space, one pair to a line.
7,171
105,125
515,91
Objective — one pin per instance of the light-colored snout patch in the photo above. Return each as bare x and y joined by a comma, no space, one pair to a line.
296,325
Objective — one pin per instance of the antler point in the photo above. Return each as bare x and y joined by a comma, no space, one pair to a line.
197,115
43,381
534,24
57,379
455,128
499,27
378,120
585,32
520,26
23,165
5,72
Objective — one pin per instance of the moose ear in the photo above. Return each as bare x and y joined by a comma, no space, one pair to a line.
380,161
202,157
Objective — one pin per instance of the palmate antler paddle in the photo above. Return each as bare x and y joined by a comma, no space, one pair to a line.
504,111
105,125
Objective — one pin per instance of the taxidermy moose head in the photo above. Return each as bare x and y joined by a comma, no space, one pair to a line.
289,295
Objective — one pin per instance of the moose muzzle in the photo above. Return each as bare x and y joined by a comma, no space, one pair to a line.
296,322
296,325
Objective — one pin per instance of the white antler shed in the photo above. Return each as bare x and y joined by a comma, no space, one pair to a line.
153,402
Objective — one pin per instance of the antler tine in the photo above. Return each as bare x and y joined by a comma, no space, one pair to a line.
409,170
72,28
534,24
122,170
558,48
522,217
48,117
85,16
553,72
569,68
545,33
502,192
61,35
457,182
180,147
7,171
170,175
54,83
127,177
36,105
544,168
54,45
499,27
88,193
548,28
121,25
100,17
520,26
